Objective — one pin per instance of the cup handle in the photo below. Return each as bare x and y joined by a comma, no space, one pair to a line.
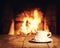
49,34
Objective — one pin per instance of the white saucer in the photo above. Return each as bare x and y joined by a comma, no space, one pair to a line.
47,41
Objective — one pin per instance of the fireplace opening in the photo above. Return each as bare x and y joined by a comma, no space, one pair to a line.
19,13
30,21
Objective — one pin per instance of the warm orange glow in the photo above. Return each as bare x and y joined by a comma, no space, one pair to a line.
33,21
31,24
11,31
46,28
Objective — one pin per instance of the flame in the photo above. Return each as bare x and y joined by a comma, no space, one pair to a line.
46,28
33,21
30,24
11,31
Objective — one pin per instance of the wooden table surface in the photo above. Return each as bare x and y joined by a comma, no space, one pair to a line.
20,41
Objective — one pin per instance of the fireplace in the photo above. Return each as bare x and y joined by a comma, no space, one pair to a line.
17,9
30,21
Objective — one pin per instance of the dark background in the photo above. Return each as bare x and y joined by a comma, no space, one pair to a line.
10,8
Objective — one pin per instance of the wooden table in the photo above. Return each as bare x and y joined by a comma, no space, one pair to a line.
20,41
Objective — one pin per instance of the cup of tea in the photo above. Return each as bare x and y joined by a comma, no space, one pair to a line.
42,36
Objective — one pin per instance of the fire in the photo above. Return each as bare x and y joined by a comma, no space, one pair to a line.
31,24
11,31
33,21
46,26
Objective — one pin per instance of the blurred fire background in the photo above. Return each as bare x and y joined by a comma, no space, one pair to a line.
10,8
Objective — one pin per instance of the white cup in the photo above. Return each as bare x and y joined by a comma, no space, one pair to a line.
42,35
